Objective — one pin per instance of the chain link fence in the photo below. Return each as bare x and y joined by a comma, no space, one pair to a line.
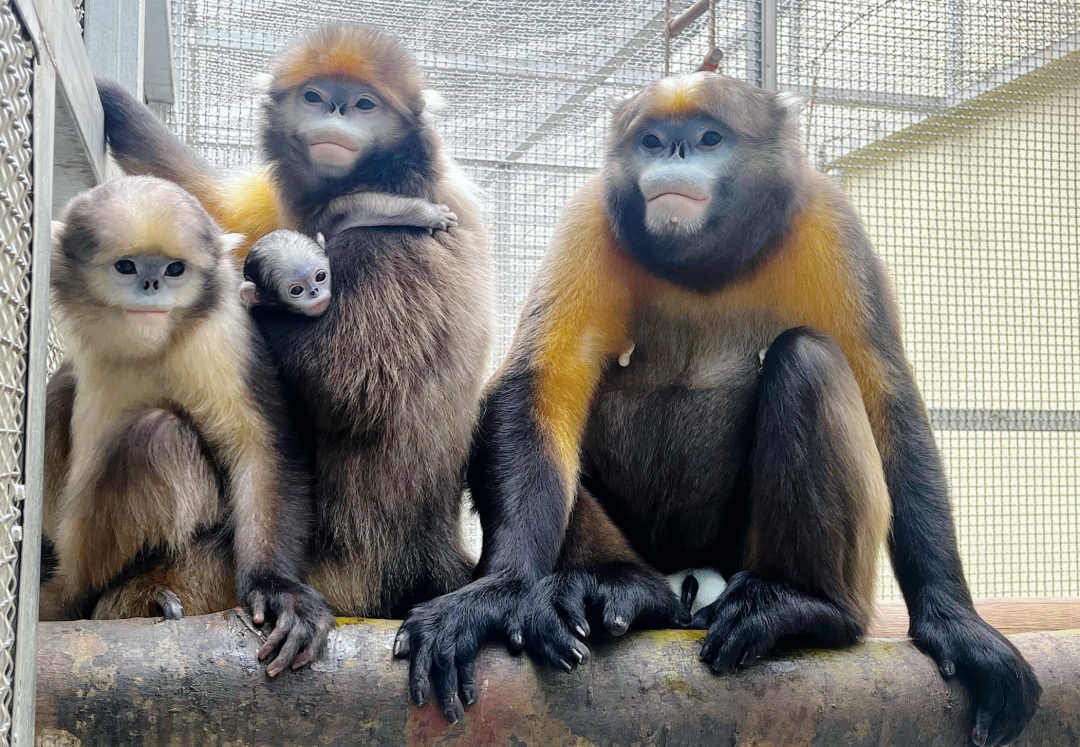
954,125
16,207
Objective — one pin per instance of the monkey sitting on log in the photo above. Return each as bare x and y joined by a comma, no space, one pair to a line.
173,479
767,424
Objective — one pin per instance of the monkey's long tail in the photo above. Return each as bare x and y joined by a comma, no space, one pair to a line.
142,144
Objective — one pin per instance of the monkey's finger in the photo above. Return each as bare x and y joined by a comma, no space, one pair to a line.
288,653
618,612
303,658
420,672
570,604
402,642
258,608
277,635
703,618
444,676
983,719
515,635
466,672
171,608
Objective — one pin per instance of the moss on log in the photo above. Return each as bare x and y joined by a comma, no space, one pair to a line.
196,683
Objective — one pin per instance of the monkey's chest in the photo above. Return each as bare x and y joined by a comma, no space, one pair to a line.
669,432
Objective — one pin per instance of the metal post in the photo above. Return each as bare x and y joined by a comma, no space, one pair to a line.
954,44
768,44
44,114
116,39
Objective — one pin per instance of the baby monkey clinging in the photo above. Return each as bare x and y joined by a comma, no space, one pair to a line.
289,269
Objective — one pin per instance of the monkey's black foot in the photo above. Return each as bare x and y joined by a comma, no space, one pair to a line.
1004,690
754,613
441,639
300,618
614,596
171,608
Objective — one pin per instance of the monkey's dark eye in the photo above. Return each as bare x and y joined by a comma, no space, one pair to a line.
320,276
712,137
125,267
175,269
312,97
366,104
296,290
651,141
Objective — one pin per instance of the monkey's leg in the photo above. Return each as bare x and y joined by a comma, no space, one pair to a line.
198,580
818,511
600,580
150,489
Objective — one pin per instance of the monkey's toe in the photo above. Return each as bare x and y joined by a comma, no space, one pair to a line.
171,607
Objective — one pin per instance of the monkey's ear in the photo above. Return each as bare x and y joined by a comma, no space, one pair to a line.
614,103
792,102
230,242
320,240
261,83
434,102
249,294
57,231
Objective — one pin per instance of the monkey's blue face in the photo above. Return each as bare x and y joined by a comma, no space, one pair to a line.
340,120
679,164
148,287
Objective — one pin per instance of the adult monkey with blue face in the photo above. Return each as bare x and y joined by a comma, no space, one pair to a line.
766,416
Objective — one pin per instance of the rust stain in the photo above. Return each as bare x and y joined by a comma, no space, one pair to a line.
83,647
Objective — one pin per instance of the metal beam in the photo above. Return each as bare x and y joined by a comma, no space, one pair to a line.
159,82
644,26
909,117
978,419
25,688
115,32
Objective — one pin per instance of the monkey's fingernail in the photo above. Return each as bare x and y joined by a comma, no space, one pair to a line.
582,630
517,640
577,655
978,736
948,669
619,626
470,695
565,665
419,696
401,645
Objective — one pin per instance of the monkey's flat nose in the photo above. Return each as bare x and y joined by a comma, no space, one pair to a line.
150,285
314,292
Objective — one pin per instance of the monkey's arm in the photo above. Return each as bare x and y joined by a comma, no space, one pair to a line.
523,470
142,144
944,624
366,209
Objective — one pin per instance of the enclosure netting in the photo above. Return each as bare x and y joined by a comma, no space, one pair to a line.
953,124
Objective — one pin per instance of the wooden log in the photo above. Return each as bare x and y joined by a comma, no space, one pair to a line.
1009,615
196,683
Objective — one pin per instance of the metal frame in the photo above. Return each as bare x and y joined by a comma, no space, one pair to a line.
68,154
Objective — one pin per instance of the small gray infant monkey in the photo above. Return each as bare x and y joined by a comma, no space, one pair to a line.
289,269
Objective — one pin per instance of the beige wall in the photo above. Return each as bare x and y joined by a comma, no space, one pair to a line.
977,214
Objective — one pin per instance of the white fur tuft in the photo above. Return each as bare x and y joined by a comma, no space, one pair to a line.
793,102
261,83
57,230
434,102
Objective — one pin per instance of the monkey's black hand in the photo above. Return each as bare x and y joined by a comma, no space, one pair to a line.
614,595
300,617
442,637
1004,690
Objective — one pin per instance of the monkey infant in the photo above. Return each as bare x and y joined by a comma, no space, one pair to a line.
170,460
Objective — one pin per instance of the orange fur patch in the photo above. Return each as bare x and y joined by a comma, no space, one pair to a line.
585,324
810,281
249,205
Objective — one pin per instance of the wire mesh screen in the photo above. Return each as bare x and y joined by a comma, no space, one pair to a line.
952,124
16,207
